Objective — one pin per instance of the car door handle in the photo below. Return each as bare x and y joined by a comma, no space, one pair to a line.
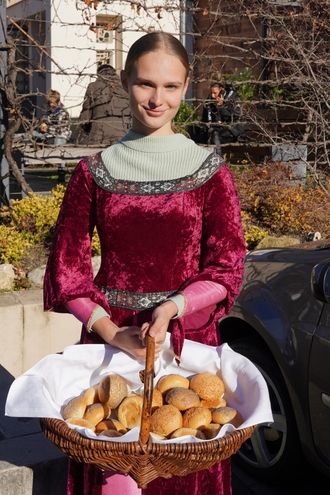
326,400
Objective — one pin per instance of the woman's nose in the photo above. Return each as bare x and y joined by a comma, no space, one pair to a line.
156,97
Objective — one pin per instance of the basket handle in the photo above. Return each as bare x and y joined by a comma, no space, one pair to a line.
148,389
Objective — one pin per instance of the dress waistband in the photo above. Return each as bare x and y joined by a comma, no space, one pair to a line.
134,300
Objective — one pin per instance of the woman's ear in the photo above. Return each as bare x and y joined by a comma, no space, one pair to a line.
124,82
186,85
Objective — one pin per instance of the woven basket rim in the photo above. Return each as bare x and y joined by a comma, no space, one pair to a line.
62,430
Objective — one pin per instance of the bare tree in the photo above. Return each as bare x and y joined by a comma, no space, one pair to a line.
281,47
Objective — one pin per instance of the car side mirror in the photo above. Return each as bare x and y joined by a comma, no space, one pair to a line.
320,281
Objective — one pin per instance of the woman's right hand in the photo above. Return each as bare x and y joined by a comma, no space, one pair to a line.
125,338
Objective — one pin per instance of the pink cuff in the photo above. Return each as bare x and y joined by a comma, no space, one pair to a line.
82,308
200,295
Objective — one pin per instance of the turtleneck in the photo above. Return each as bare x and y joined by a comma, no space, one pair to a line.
150,158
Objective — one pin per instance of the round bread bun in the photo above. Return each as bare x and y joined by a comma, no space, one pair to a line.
91,395
197,417
75,408
110,424
207,386
182,432
156,436
112,389
130,411
182,398
110,433
210,431
165,420
214,403
224,415
97,412
81,422
157,400
167,382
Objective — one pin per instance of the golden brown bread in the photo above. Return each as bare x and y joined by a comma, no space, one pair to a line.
92,395
130,411
207,385
224,415
165,420
181,432
167,382
157,400
182,398
110,433
110,424
214,403
75,408
112,389
97,412
81,422
197,417
210,431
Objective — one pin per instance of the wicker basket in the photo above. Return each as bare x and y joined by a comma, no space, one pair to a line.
143,460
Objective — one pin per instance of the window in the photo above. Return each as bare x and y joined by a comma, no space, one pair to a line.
108,39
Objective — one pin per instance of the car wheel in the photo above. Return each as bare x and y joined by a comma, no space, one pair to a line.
272,451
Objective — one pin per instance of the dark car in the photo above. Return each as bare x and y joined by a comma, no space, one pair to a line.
281,322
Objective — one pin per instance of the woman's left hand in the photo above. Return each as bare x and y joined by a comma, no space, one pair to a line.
160,320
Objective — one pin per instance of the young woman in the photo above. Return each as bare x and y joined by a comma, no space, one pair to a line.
168,219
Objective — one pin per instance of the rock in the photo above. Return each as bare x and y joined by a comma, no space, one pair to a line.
7,277
313,236
269,242
37,276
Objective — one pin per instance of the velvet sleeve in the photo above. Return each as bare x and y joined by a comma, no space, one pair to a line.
69,273
223,245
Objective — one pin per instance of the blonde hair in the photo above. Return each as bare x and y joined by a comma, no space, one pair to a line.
53,96
153,42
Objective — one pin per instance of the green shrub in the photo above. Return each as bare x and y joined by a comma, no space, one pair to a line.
30,222
13,245
186,116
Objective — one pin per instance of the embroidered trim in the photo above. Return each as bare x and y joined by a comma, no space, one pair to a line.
134,300
103,178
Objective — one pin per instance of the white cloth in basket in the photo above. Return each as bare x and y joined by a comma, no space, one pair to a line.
43,390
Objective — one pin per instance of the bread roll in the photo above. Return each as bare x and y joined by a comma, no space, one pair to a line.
97,412
207,386
157,437
165,420
157,400
92,395
167,382
181,432
81,422
110,433
210,431
197,417
182,398
112,390
214,403
224,415
130,411
110,424
75,408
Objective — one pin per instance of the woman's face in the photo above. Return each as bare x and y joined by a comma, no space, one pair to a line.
155,86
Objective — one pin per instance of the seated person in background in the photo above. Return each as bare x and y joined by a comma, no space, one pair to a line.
105,116
223,107
54,125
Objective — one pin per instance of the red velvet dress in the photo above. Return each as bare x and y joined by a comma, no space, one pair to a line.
156,238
